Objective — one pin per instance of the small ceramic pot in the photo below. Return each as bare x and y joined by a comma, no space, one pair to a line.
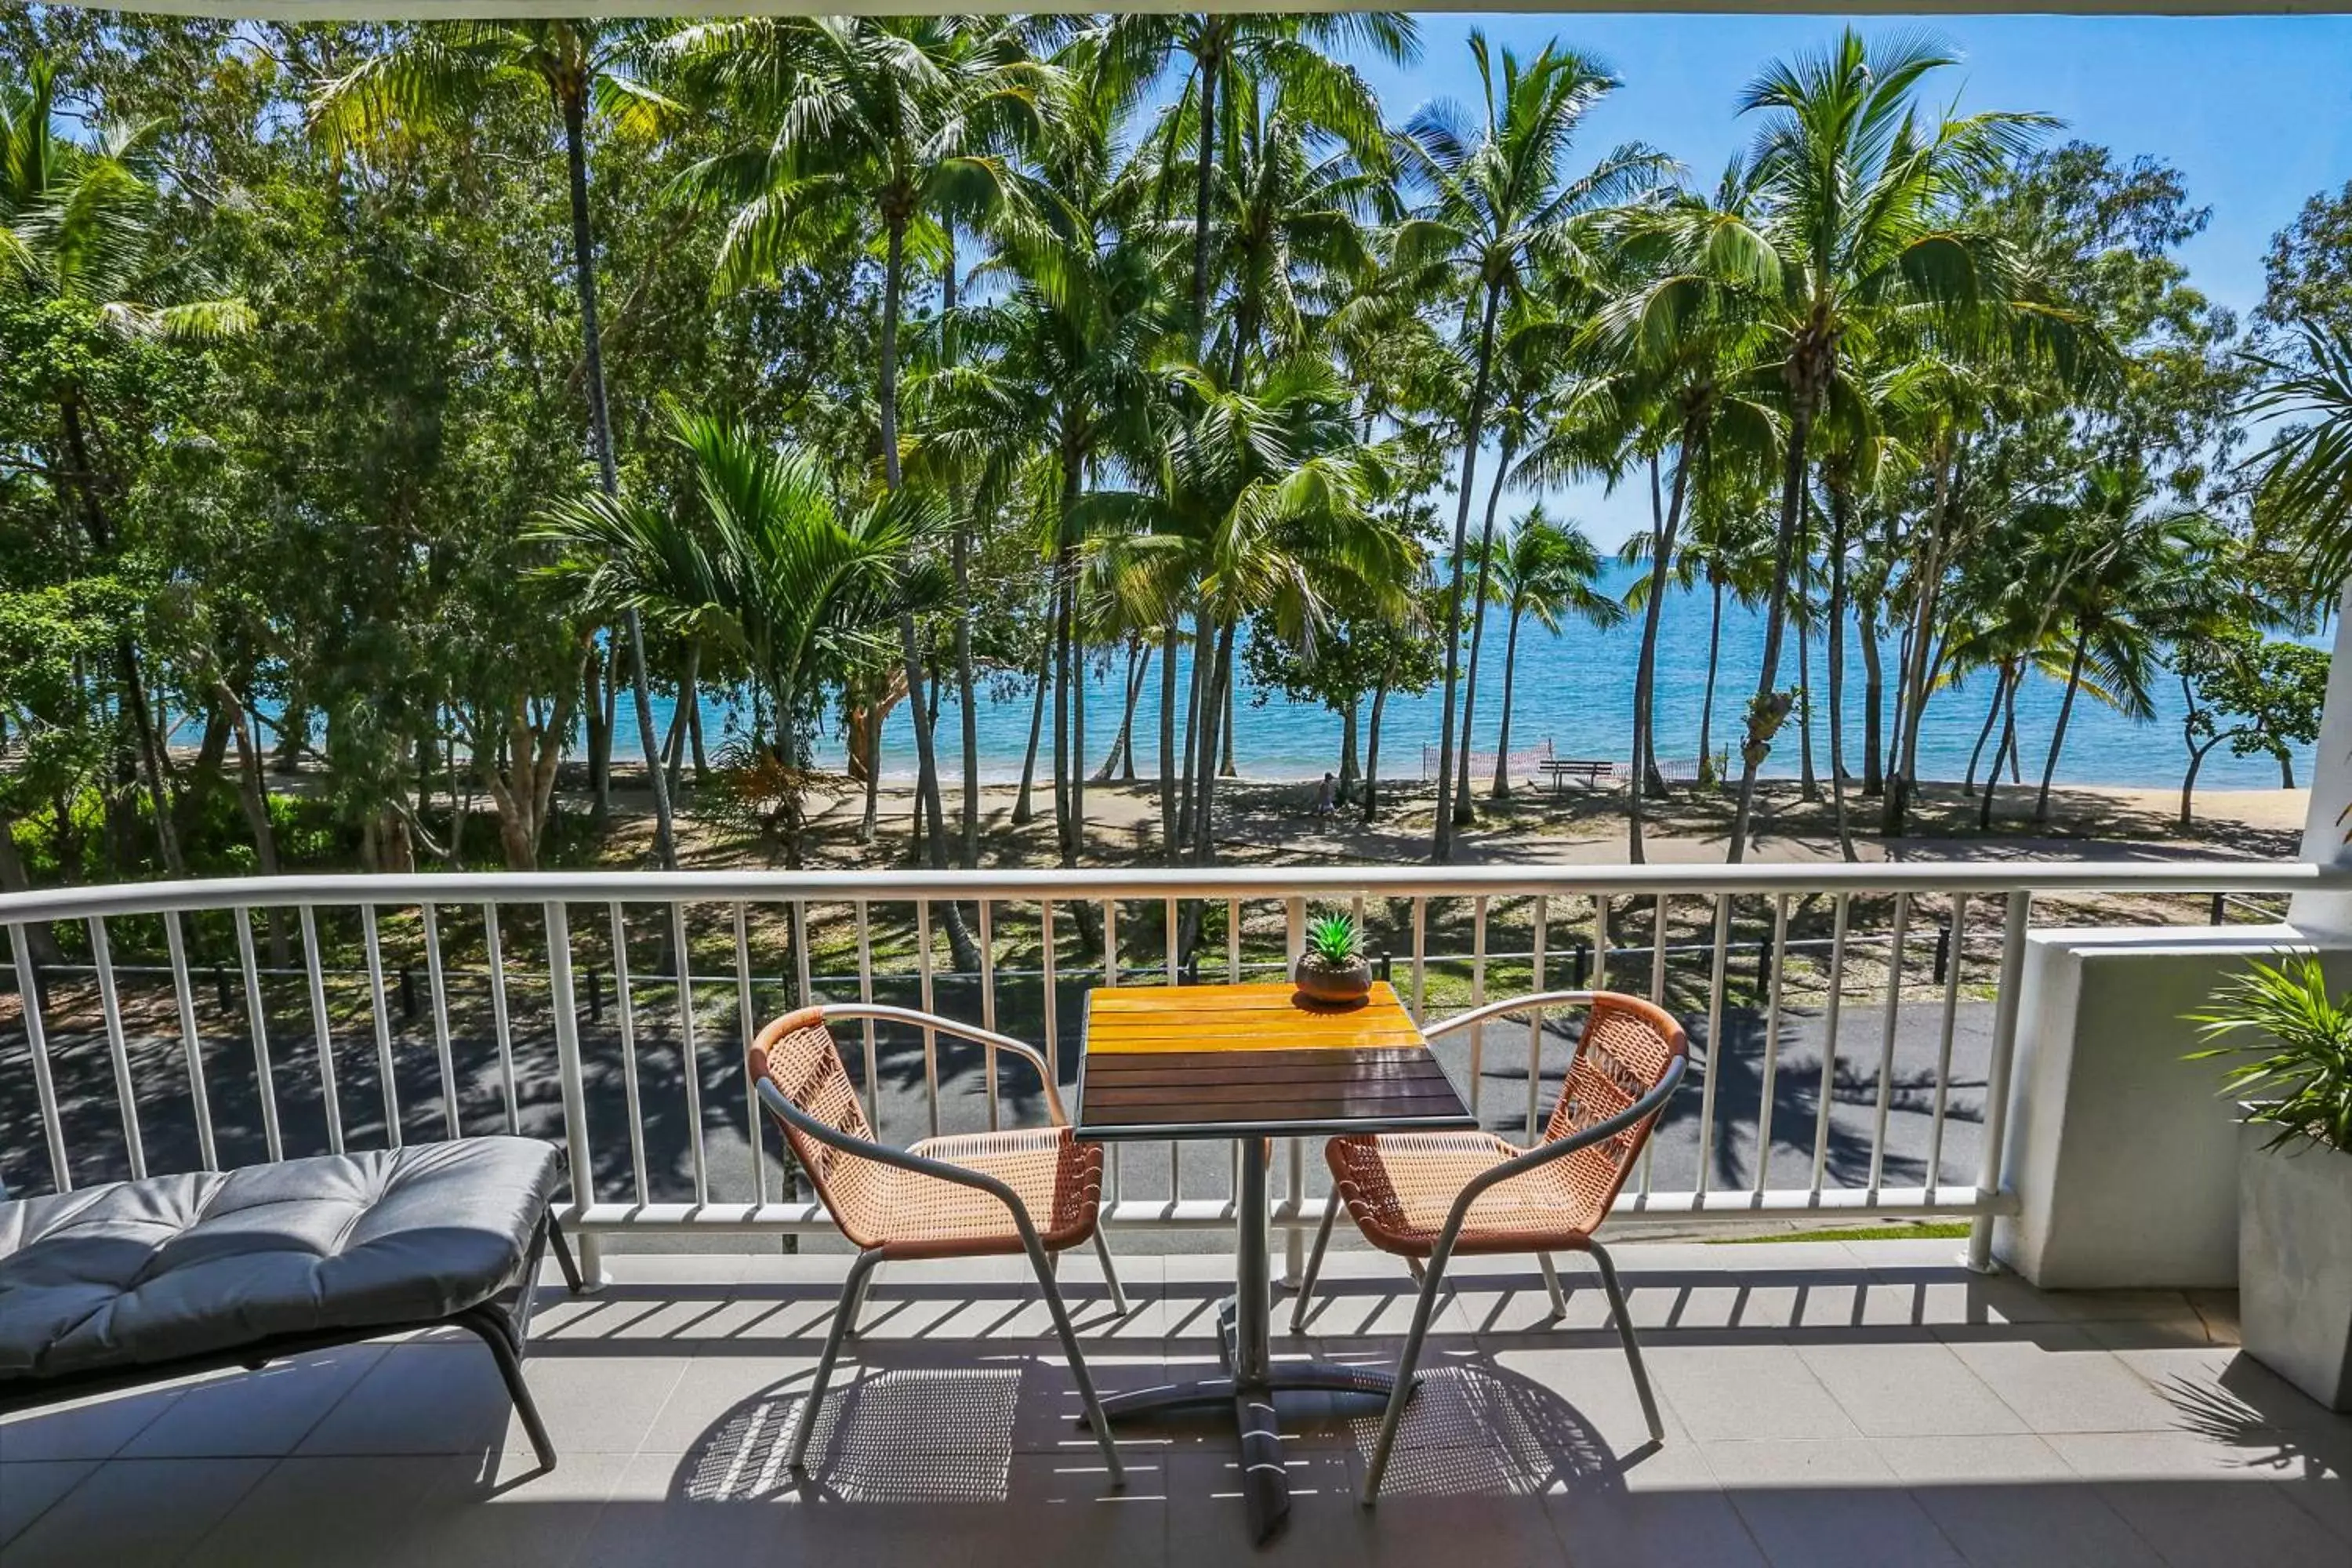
1333,987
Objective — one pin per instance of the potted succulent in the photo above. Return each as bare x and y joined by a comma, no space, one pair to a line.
2295,1169
1332,970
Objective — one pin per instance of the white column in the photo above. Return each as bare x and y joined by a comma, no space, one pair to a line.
2331,789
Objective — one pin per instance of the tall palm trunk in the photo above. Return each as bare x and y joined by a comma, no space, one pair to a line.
2058,734
1919,665
1873,696
1168,764
1373,750
1120,758
1503,740
967,703
1462,814
2008,747
1810,785
1442,845
1992,717
1841,512
1713,657
574,101
1221,675
1022,812
1813,357
1211,66
1645,669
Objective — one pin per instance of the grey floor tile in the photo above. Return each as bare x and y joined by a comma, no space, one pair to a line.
2224,1524
361,1509
84,1429
1907,1386
1739,1391
1666,1510
134,1512
508,1512
1864,1526
2041,1524
28,1489
1208,1523
1059,1512
420,1399
2059,1380
260,1415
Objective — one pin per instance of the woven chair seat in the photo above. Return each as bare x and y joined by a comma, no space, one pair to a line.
1400,1186
1059,1181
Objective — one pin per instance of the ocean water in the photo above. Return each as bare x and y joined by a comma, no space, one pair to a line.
1575,689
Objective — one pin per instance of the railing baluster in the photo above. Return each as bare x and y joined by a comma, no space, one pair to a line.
988,1001
1116,1176
1830,1039
330,1099
435,978
118,1047
923,984
382,1010
1887,1041
1175,1149
494,954
257,1023
1770,1082
866,995
688,1058
1294,1253
1534,1019
1715,1045
1234,941
624,1011
1420,956
1168,923
2015,920
1658,996
1053,1002
28,992
1959,928
743,1019
1477,999
1600,942
564,1008
801,960
199,1101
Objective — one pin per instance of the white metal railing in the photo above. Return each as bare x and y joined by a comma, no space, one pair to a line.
657,1115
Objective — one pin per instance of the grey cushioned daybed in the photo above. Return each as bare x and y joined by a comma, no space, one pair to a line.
135,1282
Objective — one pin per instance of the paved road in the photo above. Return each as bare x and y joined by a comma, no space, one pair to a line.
96,1140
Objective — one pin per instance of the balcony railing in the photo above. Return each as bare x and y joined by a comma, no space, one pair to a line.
1853,1026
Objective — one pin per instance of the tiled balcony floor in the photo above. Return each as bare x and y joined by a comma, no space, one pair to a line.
1826,1403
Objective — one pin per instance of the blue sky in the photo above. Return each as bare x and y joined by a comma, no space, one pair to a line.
2255,111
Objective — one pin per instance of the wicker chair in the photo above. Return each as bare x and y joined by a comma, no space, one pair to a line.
1031,1190
1429,1196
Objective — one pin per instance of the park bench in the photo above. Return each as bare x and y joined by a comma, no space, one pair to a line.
1588,771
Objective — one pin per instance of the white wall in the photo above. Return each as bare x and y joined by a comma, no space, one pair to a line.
2124,1158
2331,789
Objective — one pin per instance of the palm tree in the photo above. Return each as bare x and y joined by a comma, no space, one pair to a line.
1550,571
759,559
2132,573
1857,198
76,231
1222,49
904,120
1500,203
2306,478
447,71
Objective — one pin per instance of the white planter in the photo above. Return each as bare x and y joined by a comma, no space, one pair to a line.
2295,1263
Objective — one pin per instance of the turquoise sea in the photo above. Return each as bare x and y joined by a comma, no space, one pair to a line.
1576,690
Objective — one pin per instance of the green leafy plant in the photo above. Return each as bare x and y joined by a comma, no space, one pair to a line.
1334,941
2299,1077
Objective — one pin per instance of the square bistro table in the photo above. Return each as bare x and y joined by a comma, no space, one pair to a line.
1252,1063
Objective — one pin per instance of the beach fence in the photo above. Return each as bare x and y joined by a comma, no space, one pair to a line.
1525,763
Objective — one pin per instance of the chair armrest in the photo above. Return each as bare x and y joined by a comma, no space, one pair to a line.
781,1107
1505,1008
1561,1148
916,1019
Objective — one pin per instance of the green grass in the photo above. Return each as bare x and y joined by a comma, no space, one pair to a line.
1954,1228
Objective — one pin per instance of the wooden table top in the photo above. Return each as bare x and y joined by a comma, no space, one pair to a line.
1236,1061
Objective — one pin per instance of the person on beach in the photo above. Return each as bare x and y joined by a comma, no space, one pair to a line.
1325,792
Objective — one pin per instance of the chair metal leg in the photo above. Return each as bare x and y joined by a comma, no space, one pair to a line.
1095,1417
1551,1283
492,1328
1110,1273
1433,1278
856,1309
853,1290
1632,1341
563,1259
1412,1266
1314,1265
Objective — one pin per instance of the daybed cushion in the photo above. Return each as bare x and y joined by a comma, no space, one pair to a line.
139,1272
